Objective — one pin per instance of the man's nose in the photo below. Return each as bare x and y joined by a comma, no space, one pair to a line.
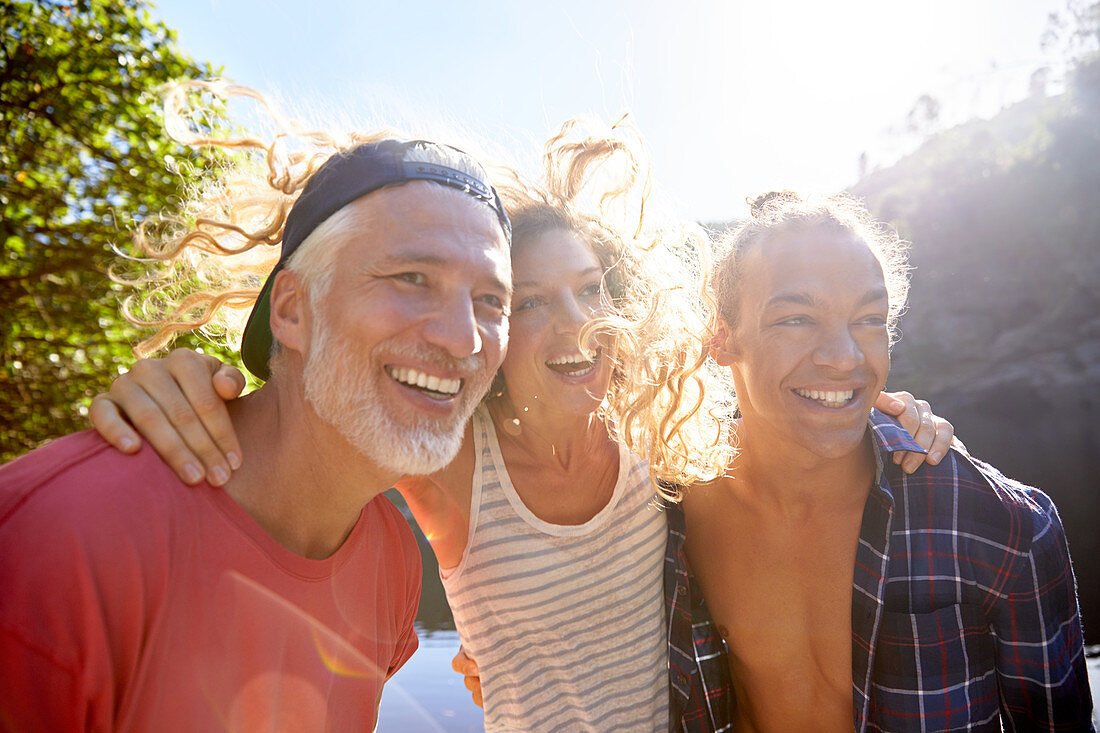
454,328
838,350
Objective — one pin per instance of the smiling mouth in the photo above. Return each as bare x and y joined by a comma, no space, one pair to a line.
573,365
827,398
438,388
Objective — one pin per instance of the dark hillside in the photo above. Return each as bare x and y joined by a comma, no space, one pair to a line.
1003,329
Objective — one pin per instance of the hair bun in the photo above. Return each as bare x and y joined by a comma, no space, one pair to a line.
772,201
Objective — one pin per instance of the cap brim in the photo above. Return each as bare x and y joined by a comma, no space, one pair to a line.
256,340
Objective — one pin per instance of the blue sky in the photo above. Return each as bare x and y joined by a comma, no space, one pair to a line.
735,98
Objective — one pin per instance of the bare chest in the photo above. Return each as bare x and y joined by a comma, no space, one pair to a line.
781,595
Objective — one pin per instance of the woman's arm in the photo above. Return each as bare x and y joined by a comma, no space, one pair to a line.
178,405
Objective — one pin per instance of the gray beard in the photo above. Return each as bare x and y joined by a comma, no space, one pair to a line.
344,389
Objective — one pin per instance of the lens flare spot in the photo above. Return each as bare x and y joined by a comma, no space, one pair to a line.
341,659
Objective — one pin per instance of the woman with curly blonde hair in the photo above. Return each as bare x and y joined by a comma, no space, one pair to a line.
551,545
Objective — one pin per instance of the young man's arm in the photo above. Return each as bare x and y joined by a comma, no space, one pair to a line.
1039,643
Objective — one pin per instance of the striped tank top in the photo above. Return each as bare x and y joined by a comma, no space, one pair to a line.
565,622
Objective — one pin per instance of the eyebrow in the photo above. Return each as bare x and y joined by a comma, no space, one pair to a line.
874,295
415,259
794,298
536,283
871,296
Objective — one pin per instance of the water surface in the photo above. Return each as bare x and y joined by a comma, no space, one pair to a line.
426,695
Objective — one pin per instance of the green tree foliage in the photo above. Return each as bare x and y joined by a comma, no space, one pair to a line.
82,160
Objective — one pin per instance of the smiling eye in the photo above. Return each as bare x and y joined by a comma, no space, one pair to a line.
413,278
493,301
795,321
531,301
875,321
590,290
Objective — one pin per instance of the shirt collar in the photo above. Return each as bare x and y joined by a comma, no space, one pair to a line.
872,560
891,437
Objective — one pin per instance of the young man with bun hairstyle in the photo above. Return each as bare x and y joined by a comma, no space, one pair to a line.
849,593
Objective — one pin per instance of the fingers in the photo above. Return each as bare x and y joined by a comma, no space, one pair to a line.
467,667
907,410
108,421
171,402
890,403
228,381
205,384
463,664
174,428
903,406
931,432
130,396
910,413
924,435
473,684
945,437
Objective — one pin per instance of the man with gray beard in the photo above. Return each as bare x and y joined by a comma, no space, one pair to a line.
285,601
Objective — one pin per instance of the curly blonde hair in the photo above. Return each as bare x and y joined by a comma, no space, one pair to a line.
204,265
663,401
668,401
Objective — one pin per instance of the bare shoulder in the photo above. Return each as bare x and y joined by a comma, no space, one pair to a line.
706,505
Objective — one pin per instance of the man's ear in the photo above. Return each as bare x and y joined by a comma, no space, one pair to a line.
290,313
722,348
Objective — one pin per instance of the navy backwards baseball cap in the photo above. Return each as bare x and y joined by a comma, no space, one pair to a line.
348,176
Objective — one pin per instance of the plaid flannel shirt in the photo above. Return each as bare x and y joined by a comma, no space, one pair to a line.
964,608
700,694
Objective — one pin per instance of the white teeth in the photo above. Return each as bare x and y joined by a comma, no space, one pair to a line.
574,365
571,359
415,378
828,398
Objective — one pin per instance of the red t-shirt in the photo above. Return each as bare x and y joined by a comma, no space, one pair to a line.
129,601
